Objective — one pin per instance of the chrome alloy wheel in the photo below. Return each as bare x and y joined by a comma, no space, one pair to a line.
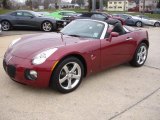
139,24
47,26
157,24
70,75
5,25
141,55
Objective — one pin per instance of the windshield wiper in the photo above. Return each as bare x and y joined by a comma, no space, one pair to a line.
75,35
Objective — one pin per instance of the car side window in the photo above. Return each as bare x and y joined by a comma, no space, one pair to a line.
19,14
86,15
26,14
61,13
98,16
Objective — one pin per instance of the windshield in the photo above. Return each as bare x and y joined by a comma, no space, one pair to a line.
84,28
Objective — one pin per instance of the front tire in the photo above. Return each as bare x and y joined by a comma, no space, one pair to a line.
68,75
47,26
5,25
157,24
140,55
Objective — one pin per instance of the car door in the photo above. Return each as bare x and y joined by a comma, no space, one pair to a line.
29,19
146,20
129,20
117,50
18,18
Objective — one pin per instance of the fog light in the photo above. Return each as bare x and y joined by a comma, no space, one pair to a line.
31,74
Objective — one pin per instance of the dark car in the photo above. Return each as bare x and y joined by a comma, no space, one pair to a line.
0,28
130,20
83,47
99,16
25,18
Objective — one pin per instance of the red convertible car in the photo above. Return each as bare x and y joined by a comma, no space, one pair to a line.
61,60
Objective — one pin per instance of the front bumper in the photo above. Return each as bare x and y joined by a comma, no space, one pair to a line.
15,67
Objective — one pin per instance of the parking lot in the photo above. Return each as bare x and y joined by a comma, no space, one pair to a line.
120,93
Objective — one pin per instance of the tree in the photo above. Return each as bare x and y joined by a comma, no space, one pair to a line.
90,5
29,3
6,4
158,4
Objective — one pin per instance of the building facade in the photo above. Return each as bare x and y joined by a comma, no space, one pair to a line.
149,5
118,5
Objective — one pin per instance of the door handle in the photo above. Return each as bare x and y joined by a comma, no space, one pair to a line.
129,38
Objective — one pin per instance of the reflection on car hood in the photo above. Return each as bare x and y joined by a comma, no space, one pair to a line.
30,45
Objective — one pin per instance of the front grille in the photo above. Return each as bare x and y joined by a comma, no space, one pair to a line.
10,69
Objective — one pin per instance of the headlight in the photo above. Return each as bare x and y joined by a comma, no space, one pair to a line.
41,57
13,42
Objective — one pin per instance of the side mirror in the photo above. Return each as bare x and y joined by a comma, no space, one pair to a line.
114,34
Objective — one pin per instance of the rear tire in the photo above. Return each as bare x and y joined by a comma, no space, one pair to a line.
5,25
140,55
68,75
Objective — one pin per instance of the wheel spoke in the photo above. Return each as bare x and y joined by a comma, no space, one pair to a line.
74,67
76,76
66,69
63,79
69,84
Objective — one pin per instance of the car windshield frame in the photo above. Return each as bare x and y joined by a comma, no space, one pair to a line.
86,28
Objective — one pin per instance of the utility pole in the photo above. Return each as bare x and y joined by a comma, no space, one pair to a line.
144,4
101,5
93,5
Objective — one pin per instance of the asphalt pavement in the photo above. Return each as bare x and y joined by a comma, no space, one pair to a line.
119,93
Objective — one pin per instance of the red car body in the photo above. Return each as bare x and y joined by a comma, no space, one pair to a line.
96,55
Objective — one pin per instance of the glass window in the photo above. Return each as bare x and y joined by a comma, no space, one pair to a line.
26,14
19,14
84,28
98,16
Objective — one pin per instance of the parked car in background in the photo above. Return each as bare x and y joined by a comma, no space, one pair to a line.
100,16
83,47
130,20
0,28
60,14
147,21
156,11
25,18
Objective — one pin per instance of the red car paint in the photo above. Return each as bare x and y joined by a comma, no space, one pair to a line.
98,54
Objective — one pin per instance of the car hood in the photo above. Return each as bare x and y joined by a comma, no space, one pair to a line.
30,46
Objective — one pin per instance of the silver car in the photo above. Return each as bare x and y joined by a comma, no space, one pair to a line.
147,21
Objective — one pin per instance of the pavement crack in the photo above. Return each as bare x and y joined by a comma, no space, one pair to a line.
127,109
152,67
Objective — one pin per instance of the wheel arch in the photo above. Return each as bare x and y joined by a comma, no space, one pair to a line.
6,20
78,56
144,41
